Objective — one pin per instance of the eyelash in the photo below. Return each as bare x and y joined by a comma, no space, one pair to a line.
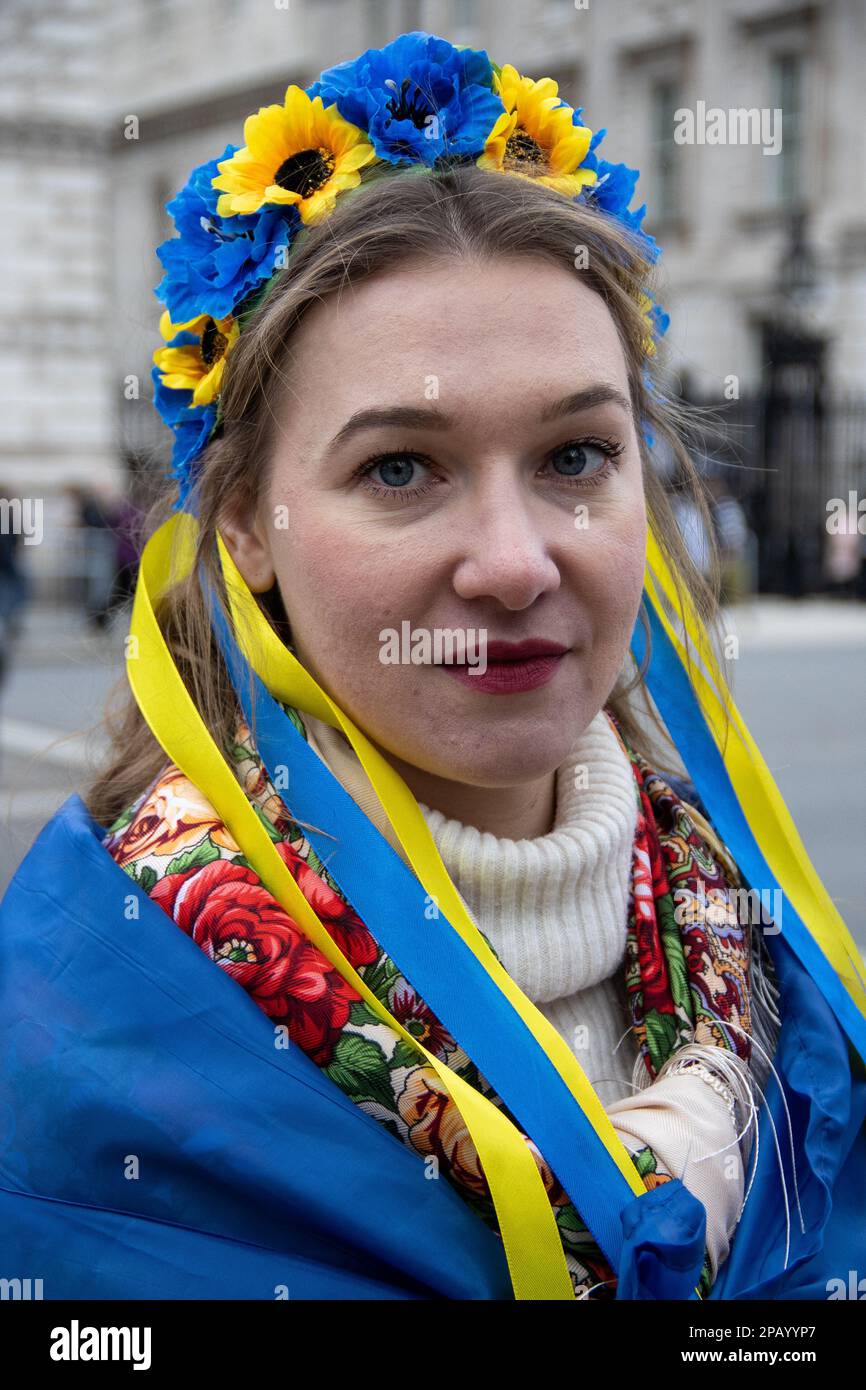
613,448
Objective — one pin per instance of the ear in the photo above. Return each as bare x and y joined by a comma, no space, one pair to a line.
246,543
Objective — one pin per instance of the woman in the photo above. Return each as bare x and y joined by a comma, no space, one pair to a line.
486,1019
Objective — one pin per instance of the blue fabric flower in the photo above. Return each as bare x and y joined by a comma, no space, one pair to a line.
660,320
614,191
215,262
191,427
393,92
614,188
421,100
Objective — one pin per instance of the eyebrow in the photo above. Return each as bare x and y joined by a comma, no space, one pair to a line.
420,417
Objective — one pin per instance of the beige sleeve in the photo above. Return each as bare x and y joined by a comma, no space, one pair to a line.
682,1118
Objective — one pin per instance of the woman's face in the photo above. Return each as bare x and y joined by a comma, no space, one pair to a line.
496,512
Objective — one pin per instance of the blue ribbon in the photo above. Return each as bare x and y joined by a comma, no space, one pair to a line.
441,967
674,695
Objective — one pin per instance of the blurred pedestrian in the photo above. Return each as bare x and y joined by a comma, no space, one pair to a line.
14,591
732,537
94,516
126,526
691,523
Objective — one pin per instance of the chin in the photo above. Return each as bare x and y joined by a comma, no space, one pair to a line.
503,759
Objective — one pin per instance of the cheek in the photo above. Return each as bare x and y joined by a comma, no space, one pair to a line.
610,561
339,591
626,564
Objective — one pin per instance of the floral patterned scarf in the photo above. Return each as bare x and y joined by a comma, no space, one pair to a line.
686,962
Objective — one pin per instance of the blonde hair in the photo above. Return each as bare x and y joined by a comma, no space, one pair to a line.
396,216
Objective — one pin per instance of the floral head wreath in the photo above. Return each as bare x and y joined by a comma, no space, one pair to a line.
419,100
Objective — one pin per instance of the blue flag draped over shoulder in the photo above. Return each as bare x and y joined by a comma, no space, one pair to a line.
824,1084
155,1142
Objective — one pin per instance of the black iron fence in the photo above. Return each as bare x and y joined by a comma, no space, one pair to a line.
796,463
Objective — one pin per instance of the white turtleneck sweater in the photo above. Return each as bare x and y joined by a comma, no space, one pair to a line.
555,909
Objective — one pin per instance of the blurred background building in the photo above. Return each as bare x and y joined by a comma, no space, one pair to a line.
106,108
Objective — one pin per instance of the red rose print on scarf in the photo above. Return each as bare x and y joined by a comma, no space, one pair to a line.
228,913
340,921
655,983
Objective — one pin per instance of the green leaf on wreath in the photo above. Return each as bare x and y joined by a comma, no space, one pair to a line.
678,973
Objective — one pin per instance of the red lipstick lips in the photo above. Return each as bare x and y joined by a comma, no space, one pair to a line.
520,651
512,667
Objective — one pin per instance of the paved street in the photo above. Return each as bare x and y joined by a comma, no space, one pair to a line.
59,678
799,681
800,685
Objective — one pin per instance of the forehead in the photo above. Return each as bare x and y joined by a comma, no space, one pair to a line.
511,324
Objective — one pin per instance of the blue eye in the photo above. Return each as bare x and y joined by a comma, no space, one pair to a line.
587,463
578,457
400,467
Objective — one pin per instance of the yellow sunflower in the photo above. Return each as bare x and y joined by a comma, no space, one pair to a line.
197,367
645,304
535,137
298,153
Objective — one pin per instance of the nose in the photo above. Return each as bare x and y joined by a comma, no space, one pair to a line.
505,554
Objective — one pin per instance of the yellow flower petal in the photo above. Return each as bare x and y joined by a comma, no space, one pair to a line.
208,388
247,180
180,368
271,148
570,184
515,89
300,112
567,154
232,204
170,330
356,158
494,149
264,135
274,193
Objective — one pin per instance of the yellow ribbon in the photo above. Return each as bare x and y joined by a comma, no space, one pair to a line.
289,682
759,797
533,1247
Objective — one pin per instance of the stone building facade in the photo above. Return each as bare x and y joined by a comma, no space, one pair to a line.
105,109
